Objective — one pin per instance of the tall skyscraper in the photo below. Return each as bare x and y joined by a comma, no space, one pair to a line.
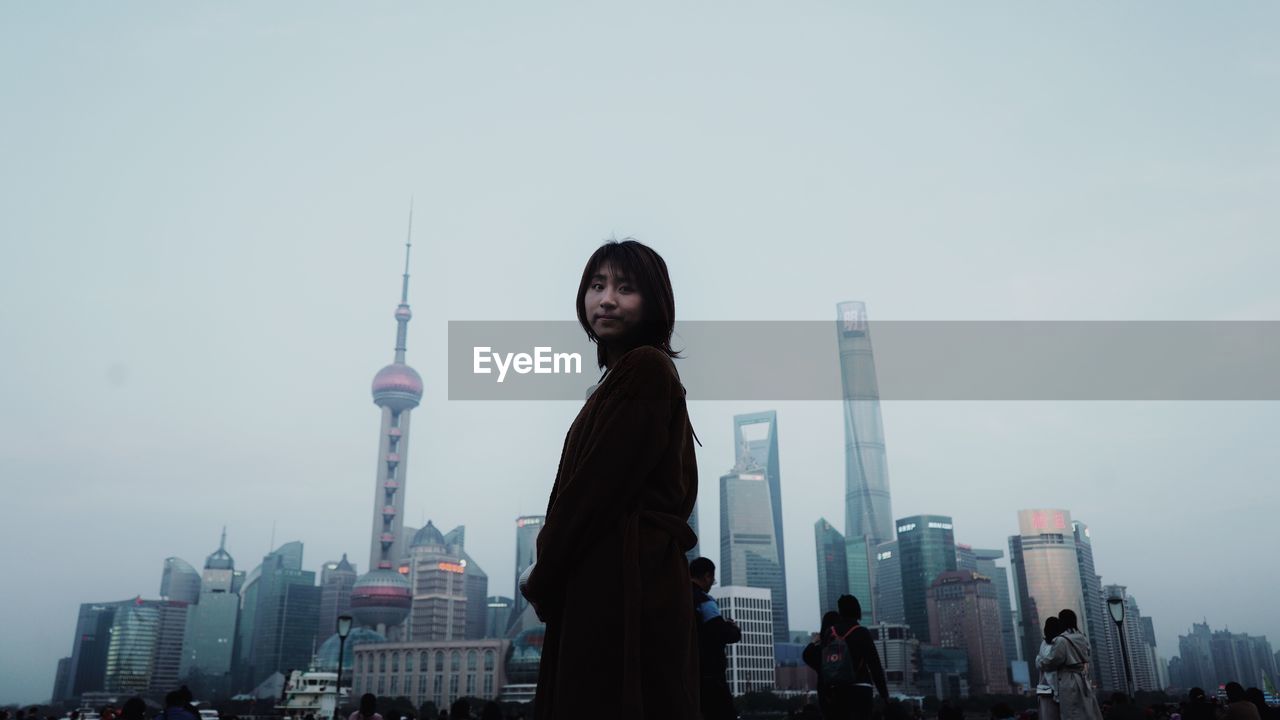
286,616
527,529
131,646
860,560
868,511
888,587
211,624
756,446
964,613
833,574
1045,572
1107,673
477,584
1140,644
926,549
179,581
985,562
1196,651
497,616
438,579
381,598
337,577
748,546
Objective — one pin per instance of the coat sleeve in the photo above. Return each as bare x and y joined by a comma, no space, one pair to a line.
627,438
812,656
1057,656
868,649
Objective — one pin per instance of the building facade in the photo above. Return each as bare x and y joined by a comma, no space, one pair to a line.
888,587
926,549
833,574
476,582
438,672
1107,673
985,563
899,654
438,579
964,613
179,581
756,446
527,529
748,546
1046,573
337,577
751,660
868,511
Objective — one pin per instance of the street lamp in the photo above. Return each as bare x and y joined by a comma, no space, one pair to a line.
344,629
1116,606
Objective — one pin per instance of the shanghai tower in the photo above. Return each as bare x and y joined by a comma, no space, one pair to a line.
867,510
381,598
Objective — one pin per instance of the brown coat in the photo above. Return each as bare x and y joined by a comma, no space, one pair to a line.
611,580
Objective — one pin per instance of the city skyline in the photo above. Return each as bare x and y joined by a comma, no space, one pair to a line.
197,282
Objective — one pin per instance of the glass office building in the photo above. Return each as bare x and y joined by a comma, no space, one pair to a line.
1046,572
748,546
868,512
926,549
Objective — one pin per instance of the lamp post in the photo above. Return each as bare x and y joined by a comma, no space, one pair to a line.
1116,606
344,629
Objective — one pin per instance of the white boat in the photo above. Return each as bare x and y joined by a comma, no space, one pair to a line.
313,692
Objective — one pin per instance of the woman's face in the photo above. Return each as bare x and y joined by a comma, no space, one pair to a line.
613,306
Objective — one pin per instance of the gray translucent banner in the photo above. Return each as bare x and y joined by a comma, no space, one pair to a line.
891,360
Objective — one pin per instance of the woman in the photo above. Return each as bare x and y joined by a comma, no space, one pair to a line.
611,582
1069,657
1047,690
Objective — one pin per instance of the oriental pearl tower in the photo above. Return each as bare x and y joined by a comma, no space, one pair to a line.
381,598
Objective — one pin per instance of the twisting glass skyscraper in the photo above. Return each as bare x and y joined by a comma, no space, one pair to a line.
867,509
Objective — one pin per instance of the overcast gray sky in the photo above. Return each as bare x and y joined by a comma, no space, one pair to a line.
201,211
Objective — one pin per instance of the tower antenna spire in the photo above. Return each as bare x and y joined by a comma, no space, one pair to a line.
408,245
222,545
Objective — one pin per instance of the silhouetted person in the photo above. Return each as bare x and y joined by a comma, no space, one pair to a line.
175,708
852,682
1259,700
1122,709
611,581
368,709
134,709
1047,689
1198,707
714,633
1069,657
460,710
1001,711
492,711
812,656
1238,706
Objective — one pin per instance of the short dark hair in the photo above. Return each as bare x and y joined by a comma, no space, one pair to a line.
1068,619
368,704
646,269
1235,691
849,607
1052,628
701,566
1196,694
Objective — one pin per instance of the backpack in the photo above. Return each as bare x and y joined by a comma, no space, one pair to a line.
837,665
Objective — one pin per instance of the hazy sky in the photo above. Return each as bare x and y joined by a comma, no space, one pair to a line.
202,209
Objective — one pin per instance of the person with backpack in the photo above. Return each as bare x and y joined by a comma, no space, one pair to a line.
849,665
714,633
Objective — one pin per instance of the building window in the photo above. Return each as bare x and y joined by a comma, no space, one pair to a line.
453,686
382,666
408,662
395,662
471,660
439,661
488,660
381,689
422,661
438,688
488,685
359,664
455,661
395,685
471,683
